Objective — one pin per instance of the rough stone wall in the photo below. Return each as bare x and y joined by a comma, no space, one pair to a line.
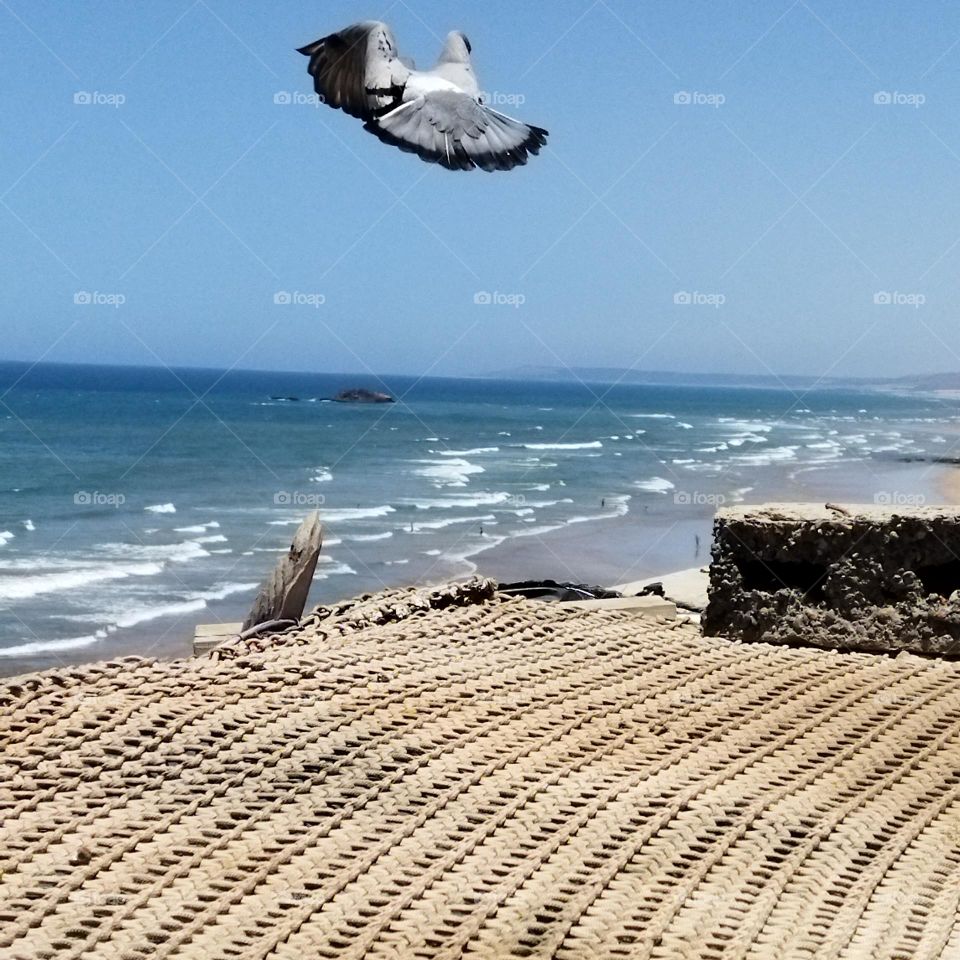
844,577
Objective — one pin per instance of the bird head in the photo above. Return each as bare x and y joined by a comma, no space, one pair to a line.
457,48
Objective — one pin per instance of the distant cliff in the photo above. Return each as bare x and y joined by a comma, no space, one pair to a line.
606,375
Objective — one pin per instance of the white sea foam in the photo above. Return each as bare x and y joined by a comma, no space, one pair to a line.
591,445
161,508
146,614
616,507
532,463
766,457
335,570
172,552
367,537
468,453
34,564
343,514
448,473
740,439
461,501
449,522
40,647
652,416
197,528
321,476
79,576
125,618
538,504
744,426
28,525
654,485
5,537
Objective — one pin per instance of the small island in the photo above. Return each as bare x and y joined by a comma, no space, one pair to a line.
361,395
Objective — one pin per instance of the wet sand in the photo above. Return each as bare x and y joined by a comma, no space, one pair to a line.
949,485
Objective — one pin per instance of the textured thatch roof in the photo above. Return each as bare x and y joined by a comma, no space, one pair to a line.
466,775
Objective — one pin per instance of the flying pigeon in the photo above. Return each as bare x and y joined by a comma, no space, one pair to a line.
438,114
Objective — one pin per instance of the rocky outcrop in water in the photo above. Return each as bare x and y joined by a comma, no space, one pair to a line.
361,395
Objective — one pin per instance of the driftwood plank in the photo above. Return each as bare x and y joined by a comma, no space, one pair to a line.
284,593
206,636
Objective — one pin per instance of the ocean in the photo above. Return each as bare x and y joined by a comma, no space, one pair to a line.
135,503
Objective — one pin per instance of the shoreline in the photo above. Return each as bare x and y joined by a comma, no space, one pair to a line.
652,540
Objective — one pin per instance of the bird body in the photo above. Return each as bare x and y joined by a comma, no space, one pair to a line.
438,114
421,84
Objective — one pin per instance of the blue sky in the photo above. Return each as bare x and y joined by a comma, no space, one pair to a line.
736,187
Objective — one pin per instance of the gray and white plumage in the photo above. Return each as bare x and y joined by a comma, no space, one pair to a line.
438,114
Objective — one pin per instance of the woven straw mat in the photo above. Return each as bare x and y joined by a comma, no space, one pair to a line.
482,777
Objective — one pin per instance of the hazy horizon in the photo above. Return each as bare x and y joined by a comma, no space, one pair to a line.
518,372
740,191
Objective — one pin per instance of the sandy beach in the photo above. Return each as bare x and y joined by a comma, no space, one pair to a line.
948,484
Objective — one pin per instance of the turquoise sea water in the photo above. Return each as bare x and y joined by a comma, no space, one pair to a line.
135,503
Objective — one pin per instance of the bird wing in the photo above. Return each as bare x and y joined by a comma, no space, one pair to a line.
452,129
359,69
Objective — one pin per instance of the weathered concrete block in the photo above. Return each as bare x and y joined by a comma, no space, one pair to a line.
847,577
